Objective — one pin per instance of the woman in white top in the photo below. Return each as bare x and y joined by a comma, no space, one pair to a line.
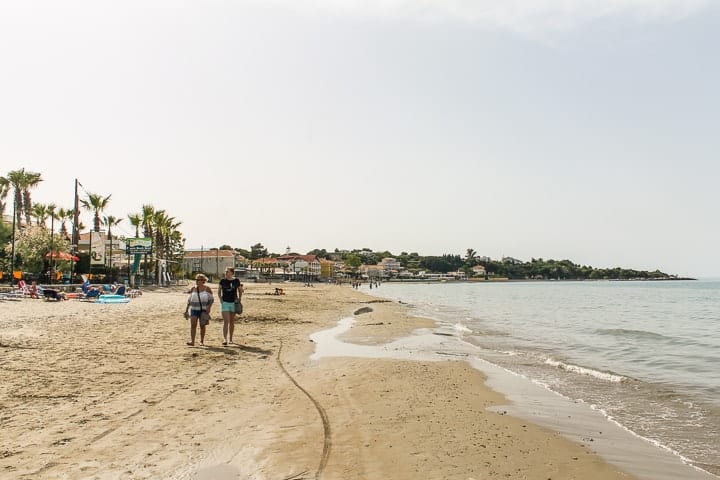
200,299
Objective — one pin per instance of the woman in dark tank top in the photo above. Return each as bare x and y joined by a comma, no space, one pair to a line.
229,291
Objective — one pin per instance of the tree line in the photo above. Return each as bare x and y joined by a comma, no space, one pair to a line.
40,227
536,268
34,238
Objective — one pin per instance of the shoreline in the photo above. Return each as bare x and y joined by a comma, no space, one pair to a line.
541,280
111,391
524,399
523,339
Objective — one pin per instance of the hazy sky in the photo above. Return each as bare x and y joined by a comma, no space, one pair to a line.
586,130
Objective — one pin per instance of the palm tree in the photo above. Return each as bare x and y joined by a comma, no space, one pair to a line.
41,213
96,204
71,218
64,215
148,214
21,182
163,228
148,218
470,256
111,221
31,181
50,209
168,239
4,190
135,221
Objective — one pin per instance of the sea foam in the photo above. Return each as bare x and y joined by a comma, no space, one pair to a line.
608,377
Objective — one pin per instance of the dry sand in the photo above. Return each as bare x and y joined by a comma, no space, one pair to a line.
94,391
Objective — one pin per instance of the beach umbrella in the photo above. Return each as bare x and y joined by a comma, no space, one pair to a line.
61,256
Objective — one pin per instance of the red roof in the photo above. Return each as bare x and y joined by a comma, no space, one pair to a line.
209,253
290,258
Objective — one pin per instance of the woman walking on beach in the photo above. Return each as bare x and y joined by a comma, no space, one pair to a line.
229,291
200,300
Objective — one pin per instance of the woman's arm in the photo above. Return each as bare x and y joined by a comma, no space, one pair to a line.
187,306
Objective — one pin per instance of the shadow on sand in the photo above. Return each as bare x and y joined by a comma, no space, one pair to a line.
255,350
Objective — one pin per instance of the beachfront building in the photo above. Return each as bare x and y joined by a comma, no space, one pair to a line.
405,274
389,263
241,261
210,262
441,277
104,251
391,266
478,271
305,265
512,261
327,269
267,266
289,266
372,272
459,275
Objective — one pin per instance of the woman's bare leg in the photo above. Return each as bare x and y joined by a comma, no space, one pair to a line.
226,326
231,325
193,330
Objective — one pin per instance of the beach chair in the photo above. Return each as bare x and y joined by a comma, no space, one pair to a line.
11,296
22,288
133,292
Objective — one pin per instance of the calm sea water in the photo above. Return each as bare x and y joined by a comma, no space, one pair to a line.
646,354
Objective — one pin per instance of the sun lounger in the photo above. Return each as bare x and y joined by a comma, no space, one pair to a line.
11,296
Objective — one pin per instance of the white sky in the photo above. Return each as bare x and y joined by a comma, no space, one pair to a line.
585,130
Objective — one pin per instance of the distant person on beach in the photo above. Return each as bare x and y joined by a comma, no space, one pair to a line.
33,290
229,291
87,289
54,294
200,299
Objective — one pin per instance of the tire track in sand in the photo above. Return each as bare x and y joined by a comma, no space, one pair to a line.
327,443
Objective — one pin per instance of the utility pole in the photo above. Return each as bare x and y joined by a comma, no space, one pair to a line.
52,239
12,255
75,233
90,256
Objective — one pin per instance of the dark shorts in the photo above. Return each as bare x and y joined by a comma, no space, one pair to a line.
196,314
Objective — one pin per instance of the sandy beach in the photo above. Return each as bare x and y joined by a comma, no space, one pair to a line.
112,392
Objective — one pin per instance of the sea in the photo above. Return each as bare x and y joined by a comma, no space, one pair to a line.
642,355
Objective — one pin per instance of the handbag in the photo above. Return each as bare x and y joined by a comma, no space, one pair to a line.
238,307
